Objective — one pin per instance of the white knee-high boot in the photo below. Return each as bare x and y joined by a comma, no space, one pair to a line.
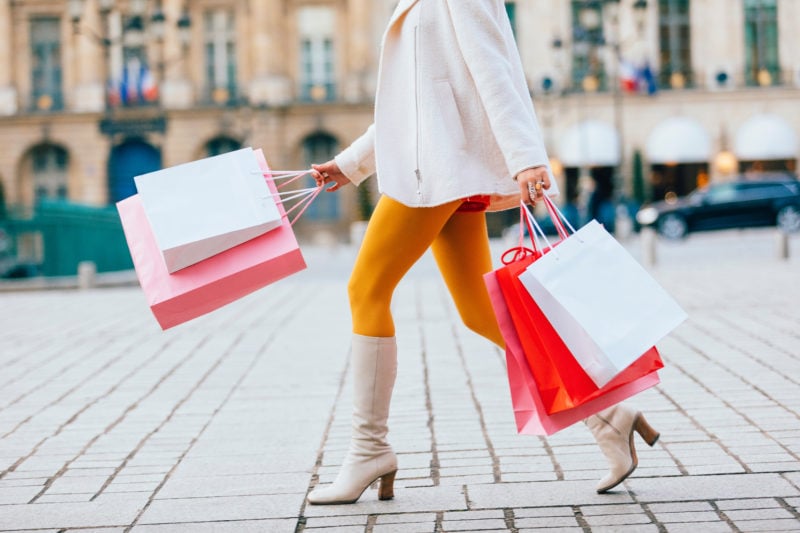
374,362
613,429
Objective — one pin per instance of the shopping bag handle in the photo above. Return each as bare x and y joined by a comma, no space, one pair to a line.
538,229
558,218
290,175
307,195
522,251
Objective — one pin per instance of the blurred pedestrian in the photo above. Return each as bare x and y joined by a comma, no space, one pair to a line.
454,135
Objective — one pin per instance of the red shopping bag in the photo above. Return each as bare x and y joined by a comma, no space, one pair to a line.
562,381
214,282
530,415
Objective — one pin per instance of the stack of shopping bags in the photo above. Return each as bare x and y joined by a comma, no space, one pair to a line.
580,318
206,233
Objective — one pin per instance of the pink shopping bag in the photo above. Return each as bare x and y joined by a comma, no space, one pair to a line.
214,282
529,411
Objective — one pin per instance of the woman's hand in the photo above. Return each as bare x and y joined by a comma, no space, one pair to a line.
329,173
532,184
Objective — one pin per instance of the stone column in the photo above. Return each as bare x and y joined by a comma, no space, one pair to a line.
356,79
88,93
8,93
174,83
270,84
789,40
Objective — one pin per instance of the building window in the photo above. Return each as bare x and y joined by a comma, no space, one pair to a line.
675,44
316,148
588,70
220,60
761,42
46,64
317,56
511,10
49,164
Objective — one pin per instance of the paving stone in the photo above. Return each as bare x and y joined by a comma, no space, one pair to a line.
758,514
750,503
222,509
601,510
238,526
234,485
11,495
687,516
404,528
540,494
751,526
474,525
539,512
711,487
617,520
546,522
680,507
108,513
693,527
330,521
406,518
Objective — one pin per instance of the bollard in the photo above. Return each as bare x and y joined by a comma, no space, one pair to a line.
649,238
86,274
623,224
782,242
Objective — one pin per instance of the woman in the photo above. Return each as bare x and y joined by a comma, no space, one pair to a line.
454,134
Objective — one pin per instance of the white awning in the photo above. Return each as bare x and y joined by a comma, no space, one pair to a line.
678,140
765,137
591,143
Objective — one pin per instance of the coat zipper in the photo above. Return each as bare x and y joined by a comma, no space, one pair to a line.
416,109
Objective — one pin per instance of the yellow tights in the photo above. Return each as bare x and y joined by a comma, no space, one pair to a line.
397,236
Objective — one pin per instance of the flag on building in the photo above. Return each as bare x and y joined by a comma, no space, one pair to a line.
637,79
647,79
628,76
135,85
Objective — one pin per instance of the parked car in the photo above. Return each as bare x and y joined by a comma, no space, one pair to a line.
744,202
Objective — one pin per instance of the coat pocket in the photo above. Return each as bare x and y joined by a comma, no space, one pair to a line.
449,124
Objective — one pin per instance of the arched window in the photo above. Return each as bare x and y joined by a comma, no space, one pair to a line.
222,145
49,164
319,148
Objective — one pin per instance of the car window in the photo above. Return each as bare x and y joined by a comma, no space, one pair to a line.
724,192
754,191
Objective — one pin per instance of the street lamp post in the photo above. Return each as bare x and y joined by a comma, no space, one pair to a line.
137,31
591,17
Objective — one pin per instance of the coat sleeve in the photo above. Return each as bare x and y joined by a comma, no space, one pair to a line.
357,161
496,68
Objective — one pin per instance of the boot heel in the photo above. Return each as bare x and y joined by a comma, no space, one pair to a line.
386,489
645,430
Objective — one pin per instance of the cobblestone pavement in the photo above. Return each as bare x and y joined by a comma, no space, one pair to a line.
108,424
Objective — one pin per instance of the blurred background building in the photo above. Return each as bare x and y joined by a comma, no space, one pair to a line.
639,99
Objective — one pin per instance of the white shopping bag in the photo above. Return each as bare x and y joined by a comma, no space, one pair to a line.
199,209
604,305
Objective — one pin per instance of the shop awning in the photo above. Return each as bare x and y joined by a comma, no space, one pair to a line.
765,137
591,143
678,140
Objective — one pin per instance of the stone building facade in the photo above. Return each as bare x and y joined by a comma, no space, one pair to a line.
638,99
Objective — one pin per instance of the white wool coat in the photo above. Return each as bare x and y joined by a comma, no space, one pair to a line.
453,115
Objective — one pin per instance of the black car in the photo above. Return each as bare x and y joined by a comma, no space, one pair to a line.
744,202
